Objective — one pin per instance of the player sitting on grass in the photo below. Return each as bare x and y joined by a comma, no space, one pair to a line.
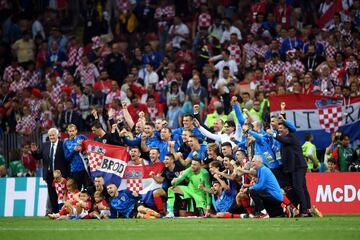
196,177
122,203
101,206
72,193
59,183
172,170
82,206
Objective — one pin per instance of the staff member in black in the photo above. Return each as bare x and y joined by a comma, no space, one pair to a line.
52,154
294,164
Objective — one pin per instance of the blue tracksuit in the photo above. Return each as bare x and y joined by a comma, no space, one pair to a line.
263,148
124,204
137,140
76,163
176,134
267,182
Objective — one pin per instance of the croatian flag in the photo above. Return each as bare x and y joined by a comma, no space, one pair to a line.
320,115
137,178
105,160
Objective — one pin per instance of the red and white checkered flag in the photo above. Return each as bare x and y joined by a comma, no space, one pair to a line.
95,160
331,118
134,184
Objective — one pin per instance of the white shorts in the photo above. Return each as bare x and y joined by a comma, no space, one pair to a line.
105,212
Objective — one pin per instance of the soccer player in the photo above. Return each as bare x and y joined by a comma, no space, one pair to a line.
196,177
72,147
122,203
172,170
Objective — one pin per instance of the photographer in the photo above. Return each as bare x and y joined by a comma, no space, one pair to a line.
355,161
343,153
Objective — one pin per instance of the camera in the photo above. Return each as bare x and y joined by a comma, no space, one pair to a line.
354,168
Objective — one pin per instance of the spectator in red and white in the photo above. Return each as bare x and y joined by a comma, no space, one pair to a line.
103,83
178,32
201,20
184,60
293,63
260,48
87,72
74,53
327,81
24,48
283,13
308,86
164,14
229,28
352,73
115,93
9,70
27,123
41,56
155,109
257,7
32,75
234,48
248,50
136,107
275,66
255,27
18,83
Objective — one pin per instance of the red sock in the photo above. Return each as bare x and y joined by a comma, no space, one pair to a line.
236,216
246,204
227,215
159,203
287,202
63,212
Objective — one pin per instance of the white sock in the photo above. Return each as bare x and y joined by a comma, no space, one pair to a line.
264,211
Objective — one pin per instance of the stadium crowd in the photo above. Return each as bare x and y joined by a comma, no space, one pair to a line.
185,83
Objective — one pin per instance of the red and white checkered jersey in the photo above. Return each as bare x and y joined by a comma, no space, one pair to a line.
249,51
204,20
55,92
17,87
167,11
347,37
235,52
261,50
60,188
271,68
69,196
330,51
87,74
9,71
296,64
33,78
74,55
26,124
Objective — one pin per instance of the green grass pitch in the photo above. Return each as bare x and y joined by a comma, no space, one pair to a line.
339,227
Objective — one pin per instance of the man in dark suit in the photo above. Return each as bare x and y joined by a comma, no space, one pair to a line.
52,154
294,164
69,116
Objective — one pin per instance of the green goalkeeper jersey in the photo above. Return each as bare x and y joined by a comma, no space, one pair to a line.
195,179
